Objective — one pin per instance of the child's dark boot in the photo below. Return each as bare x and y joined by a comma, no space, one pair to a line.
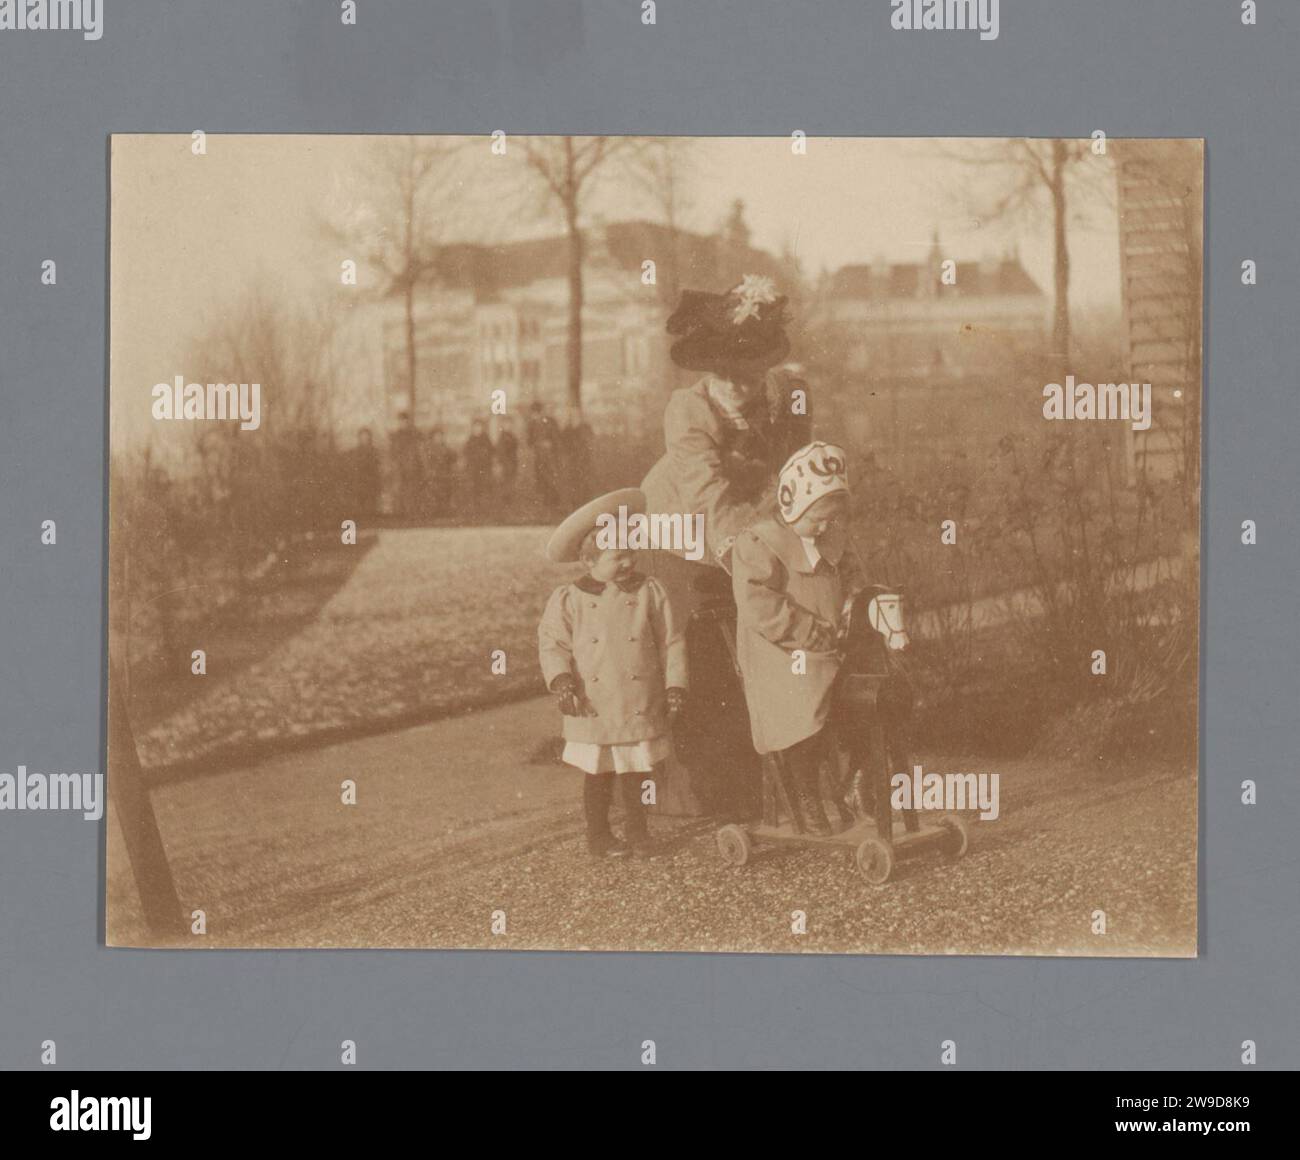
597,793
814,813
635,830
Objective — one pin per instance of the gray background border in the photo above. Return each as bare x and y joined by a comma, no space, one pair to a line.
1158,68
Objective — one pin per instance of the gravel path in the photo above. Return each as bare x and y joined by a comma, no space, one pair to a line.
434,846
1029,884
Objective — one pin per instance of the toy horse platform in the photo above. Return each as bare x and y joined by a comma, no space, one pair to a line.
868,736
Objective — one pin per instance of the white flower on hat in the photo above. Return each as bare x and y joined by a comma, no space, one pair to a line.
755,290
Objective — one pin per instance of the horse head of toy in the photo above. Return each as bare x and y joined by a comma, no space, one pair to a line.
885,613
875,622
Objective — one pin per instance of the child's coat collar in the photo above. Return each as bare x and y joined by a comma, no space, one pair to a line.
789,548
594,587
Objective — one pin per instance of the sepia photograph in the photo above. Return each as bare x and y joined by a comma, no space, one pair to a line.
736,544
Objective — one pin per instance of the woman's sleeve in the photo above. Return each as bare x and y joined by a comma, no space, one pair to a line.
697,471
555,637
758,581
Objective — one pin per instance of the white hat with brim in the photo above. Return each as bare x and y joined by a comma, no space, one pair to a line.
567,539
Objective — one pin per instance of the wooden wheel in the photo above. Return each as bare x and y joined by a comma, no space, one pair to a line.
734,845
957,841
875,858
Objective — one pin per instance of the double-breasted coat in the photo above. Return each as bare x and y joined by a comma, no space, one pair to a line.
623,646
784,602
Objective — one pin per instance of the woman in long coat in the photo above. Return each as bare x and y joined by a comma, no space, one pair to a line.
726,436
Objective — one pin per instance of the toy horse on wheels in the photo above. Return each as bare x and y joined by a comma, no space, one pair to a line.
870,725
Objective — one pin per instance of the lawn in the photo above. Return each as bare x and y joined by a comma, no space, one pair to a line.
409,636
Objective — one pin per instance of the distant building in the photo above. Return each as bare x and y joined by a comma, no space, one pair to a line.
904,318
497,319
934,366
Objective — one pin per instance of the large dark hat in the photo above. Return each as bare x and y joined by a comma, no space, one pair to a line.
745,324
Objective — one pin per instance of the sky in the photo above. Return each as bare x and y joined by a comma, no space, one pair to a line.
192,233
857,199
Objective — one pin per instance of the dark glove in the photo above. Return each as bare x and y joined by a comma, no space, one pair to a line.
823,637
750,477
566,690
676,701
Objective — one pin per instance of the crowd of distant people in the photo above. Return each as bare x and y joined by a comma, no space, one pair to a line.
420,475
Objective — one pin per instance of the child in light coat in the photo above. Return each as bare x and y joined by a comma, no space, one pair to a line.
790,577
615,659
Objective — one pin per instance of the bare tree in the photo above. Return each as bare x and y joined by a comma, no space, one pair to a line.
397,227
263,340
568,169
662,168
1028,176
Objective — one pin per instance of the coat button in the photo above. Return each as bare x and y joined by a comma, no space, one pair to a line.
595,640
631,638
594,680
635,677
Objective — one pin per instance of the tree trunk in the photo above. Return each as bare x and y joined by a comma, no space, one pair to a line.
410,353
575,312
673,286
1061,322
575,277
409,277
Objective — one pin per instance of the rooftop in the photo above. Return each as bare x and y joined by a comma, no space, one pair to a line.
905,280
704,260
